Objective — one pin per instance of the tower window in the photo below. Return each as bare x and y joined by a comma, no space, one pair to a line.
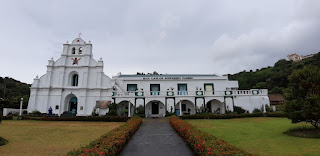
80,50
74,81
73,50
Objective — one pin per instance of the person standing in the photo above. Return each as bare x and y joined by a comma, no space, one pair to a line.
50,111
74,112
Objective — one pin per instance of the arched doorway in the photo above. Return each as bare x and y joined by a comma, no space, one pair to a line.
187,107
215,106
123,108
73,104
155,108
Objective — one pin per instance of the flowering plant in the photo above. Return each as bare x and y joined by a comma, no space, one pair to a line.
203,143
112,142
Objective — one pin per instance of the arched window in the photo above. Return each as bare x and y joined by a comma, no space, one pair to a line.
74,81
80,50
73,50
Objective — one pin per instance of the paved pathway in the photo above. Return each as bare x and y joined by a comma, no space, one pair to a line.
156,137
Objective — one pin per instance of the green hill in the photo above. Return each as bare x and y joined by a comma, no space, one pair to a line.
273,78
11,91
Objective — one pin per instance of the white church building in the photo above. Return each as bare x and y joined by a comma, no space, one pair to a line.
77,82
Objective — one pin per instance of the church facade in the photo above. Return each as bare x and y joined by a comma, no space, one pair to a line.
76,83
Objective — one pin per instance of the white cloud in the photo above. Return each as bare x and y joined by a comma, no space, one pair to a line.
170,21
166,36
163,34
260,45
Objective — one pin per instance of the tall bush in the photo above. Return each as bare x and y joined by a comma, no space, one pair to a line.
303,96
113,109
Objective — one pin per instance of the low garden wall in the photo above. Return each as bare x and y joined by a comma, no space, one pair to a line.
112,142
7,111
203,143
80,118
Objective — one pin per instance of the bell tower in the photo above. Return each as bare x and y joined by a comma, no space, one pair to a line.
77,53
78,47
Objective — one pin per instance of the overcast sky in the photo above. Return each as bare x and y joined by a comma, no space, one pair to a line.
167,36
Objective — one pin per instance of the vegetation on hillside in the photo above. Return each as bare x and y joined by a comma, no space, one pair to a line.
275,79
11,91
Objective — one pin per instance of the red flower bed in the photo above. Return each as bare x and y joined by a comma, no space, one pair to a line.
203,143
112,142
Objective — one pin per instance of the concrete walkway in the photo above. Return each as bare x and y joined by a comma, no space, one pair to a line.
156,137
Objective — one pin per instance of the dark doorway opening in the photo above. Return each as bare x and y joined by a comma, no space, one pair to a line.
73,104
155,107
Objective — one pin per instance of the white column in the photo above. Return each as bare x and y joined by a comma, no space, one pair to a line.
180,107
129,109
21,102
264,108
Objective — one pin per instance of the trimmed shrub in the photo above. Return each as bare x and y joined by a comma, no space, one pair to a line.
112,110
203,143
303,131
239,110
169,114
269,108
220,116
280,108
112,142
36,113
9,117
256,110
140,110
80,118
276,114
3,141
142,115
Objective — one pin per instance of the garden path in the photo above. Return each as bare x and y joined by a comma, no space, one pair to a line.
156,137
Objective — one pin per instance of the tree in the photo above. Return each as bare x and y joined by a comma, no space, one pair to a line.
303,96
113,109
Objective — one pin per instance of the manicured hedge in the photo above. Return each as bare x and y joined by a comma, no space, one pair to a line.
112,142
230,116
203,143
220,116
276,114
9,117
80,118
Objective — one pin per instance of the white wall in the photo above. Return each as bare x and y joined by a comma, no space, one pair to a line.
251,102
54,88
6,111
219,84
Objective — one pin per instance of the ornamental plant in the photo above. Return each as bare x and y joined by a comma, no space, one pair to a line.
203,143
112,142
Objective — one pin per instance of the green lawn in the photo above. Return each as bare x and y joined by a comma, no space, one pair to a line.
262,136
27,137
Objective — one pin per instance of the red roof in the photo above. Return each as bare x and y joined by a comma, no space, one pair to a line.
276,97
